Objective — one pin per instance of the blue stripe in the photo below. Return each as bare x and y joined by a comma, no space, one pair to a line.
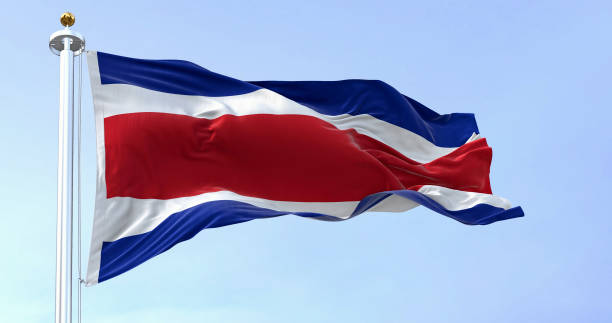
353,97
126,253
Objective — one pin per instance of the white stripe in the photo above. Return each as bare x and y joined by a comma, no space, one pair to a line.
95,249
127,216
117,99
455,200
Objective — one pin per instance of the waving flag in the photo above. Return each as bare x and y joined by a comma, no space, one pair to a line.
181,149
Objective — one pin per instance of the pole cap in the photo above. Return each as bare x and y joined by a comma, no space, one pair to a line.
67,19
56,41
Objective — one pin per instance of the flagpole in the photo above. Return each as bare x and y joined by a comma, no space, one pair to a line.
67,44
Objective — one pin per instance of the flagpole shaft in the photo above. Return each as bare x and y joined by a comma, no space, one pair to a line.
67,44
63,276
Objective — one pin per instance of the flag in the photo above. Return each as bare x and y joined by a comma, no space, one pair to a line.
181,149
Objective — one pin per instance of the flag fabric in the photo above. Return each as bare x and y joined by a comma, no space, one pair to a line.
181,149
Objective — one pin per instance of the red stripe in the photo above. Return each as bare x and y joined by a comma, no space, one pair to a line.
466,168
277,157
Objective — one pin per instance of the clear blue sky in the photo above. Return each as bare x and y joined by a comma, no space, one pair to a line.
537,74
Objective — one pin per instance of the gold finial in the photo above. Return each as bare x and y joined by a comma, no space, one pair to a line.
67,19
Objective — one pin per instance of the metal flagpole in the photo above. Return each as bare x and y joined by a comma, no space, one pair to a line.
67,44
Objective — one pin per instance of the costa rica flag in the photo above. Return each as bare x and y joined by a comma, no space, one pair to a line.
181,149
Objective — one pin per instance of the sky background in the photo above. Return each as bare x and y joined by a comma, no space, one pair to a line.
537,74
